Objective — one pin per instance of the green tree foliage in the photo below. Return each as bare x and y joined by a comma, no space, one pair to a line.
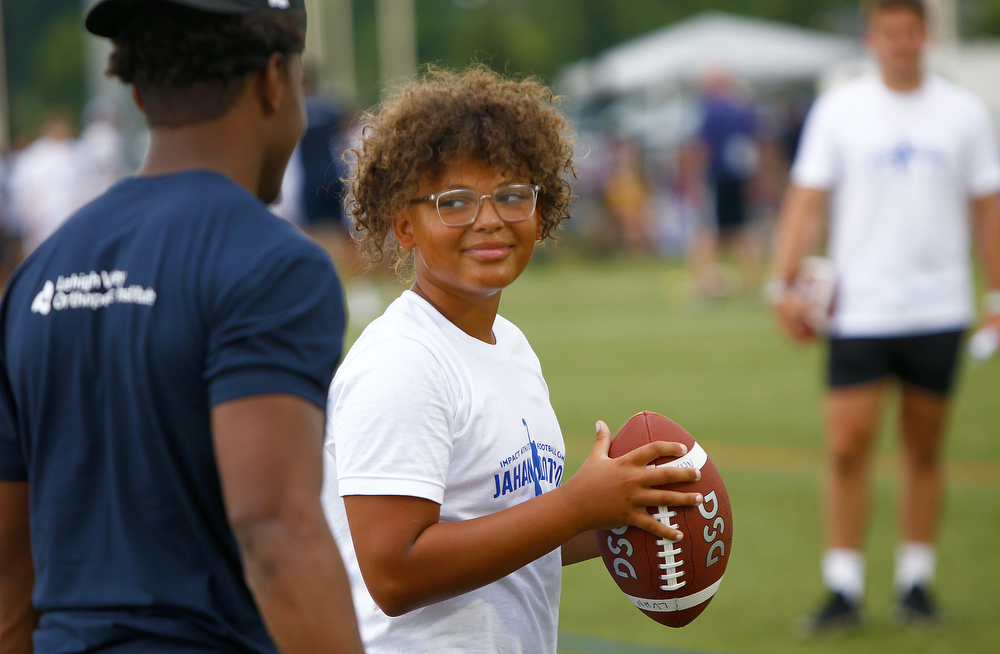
45,38
44,42
541,36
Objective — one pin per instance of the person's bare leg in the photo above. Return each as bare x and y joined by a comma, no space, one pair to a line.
702,256
852,417
922,427
748,253
852,420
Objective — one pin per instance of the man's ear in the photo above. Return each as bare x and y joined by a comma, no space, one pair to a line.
272,82
402,227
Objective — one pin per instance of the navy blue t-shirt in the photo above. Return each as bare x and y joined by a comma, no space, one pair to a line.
158,300
728,128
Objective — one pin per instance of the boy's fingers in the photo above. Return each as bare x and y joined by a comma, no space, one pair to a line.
603,443
657,528
655,497
652,451
668,474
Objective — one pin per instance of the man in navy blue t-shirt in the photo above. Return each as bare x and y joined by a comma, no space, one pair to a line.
164,364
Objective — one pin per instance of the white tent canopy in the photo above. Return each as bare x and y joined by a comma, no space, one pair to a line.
755,50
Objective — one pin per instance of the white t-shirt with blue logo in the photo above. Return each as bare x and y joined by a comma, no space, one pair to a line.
422,409
901,169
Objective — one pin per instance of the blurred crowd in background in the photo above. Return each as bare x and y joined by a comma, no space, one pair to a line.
634,196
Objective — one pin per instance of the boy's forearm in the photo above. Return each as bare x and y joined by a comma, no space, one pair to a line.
451,558
583,547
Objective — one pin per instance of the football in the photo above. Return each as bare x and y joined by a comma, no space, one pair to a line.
816,283
672,583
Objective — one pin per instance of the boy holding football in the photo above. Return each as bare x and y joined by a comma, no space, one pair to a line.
445,485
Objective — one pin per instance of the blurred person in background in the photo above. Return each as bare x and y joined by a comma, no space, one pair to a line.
43,182
312,197
164,363
896,160
59,173
627,197
10,241
100,150
728,141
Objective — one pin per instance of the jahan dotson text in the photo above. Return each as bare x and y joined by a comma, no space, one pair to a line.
533,465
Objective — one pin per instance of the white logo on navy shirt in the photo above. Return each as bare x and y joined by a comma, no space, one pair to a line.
91,291
43,301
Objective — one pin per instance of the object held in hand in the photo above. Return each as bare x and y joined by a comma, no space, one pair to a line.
816,283
984,343
670,582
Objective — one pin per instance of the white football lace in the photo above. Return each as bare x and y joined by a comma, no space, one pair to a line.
671,574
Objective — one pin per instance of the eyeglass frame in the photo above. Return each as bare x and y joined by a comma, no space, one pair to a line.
434,197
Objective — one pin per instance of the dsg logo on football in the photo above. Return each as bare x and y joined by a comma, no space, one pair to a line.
718,527
622,567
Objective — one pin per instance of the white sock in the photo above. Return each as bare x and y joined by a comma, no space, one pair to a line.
844,572
914,565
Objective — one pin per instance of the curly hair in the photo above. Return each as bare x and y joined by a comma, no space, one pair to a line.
422,127
189,65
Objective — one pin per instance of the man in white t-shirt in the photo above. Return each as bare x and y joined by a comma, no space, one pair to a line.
896,161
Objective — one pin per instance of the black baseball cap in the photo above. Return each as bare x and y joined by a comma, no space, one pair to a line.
104,16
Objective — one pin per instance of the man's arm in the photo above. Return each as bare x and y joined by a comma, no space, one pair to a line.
800,226
18,618
986,224
269,454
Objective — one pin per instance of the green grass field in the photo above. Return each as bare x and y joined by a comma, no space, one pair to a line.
618,336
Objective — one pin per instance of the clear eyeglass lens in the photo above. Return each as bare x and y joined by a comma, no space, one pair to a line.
457,207
514,202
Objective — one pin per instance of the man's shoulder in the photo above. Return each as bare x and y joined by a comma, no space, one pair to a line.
943,90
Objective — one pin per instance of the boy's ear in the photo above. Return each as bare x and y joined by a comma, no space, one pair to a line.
271,82
402,227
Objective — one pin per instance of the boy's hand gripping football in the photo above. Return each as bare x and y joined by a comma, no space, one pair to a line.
613,493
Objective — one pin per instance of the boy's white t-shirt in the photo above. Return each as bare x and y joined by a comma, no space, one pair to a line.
420,408
901,168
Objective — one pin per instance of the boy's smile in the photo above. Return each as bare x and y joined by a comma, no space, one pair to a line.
465,266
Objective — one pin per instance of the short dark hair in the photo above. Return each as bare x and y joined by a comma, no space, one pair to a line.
871,7
189,65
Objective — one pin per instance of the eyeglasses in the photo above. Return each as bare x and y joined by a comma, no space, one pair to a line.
460,207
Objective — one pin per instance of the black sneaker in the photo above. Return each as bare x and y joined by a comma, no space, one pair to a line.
839,614
916,607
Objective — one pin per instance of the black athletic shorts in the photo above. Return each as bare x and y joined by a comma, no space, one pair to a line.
730,204
927,361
